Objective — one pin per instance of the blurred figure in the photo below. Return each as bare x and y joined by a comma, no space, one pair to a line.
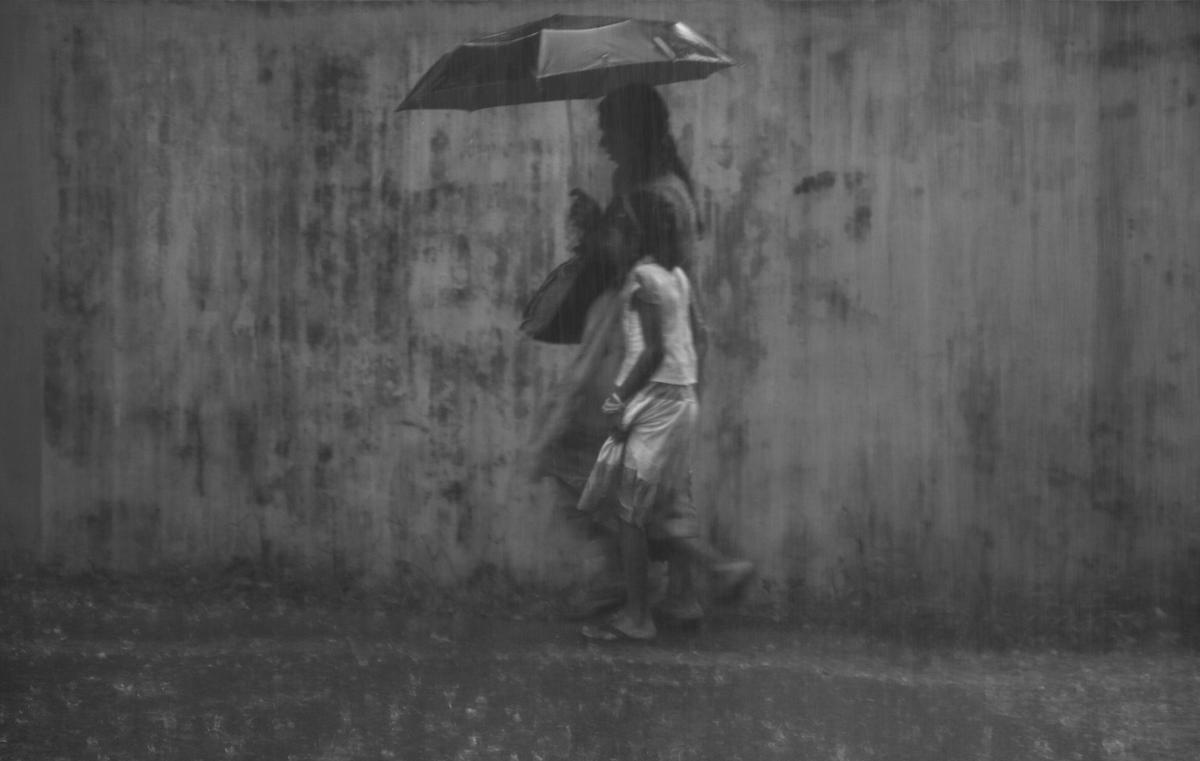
653,199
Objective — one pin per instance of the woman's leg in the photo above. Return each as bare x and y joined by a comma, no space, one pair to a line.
680,589
695,549
636,612
681,604
729,574
596,583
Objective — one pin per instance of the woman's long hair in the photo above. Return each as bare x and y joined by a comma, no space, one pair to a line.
639,110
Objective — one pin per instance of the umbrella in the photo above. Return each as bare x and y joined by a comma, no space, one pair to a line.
562,58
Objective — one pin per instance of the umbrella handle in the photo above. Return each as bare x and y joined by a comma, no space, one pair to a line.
574,180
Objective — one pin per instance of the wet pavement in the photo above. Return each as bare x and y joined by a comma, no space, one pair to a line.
97,679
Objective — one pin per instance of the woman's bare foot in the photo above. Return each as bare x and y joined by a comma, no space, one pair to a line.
731,579
680,611
585,603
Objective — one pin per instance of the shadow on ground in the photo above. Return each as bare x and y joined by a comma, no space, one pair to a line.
106,671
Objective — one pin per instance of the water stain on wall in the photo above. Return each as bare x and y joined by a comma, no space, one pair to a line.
979,406
122,533
55,410
1126,53
733,331
98,527
455,493
858,226
338,82
814,183
838,302
839,65
194,448
1125,110
73,403
438,145
245,439
200,273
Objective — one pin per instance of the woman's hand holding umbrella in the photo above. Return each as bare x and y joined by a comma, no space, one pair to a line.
584,213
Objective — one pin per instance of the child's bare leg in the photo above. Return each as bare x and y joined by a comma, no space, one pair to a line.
636,611
633,620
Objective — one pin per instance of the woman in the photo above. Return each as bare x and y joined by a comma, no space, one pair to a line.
585,308
642,474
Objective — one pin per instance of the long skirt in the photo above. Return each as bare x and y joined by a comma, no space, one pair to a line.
569,428
643,471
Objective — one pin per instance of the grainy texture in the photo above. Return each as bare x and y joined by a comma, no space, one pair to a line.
23,244
110,671
950,269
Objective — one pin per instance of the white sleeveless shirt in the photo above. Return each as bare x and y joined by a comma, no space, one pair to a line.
672,292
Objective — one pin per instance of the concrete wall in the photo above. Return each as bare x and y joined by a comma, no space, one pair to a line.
951,266
23,246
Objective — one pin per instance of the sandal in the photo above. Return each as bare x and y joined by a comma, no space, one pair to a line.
678,612
591,603
613,630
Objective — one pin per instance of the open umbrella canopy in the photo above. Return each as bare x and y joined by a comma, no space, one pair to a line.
563,58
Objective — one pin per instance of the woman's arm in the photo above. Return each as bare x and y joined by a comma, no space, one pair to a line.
584,213
699,337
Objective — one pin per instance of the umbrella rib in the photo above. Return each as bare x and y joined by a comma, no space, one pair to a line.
680,63
484,43
591,29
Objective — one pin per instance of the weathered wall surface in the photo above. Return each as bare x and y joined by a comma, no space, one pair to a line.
23,245
951,269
